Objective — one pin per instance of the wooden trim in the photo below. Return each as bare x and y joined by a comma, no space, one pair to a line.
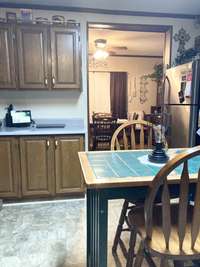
129,27
99,11
143,56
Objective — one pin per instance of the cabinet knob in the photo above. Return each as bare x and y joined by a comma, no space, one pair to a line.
53,81
48,143
56,143
46,81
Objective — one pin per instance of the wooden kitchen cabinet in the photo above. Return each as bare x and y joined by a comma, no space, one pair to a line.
9,168
65,57
40,166
37,170
41,57
7,57
67,165
32,48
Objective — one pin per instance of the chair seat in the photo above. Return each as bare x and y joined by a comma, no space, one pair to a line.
157,244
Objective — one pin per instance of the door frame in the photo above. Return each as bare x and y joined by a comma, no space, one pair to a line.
123,27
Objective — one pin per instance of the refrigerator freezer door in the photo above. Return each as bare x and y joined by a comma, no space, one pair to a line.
175,83
180,123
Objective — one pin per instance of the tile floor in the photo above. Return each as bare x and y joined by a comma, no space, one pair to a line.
50,234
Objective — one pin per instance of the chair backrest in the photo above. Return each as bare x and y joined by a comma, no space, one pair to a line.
160,185
101,114
104,126
125,135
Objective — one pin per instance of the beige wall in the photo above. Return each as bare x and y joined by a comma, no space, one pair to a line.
136,67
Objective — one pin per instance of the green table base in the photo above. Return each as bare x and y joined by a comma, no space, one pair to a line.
97,220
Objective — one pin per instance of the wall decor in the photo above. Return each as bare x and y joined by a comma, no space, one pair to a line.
197,43
26,14
157,77
132,88
41,20
187,56
58,19
143,89
11,16
182,37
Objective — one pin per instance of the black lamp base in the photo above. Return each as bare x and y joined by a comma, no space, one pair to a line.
158,155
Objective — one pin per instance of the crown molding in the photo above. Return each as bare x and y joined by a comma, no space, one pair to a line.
99,11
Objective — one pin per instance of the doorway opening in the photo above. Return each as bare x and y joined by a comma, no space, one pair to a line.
122,62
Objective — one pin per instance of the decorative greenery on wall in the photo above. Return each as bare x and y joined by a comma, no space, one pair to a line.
157,77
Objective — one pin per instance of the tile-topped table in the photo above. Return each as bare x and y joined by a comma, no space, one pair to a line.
114,175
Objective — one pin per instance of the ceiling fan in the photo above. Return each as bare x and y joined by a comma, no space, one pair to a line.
104,50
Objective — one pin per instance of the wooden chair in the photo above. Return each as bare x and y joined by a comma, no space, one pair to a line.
125,138
103,129
169,231
127,133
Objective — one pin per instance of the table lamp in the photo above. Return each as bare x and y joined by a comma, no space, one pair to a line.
158,155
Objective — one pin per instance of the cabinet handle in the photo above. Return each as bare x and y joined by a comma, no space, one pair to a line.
46,81
53,80
56,143
48,143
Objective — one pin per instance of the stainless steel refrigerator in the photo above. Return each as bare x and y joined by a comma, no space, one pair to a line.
181,101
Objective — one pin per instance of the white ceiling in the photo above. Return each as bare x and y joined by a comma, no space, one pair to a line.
138,43
168,6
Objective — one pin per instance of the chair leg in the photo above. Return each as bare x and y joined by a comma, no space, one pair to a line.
120,226
140,256
150,260
131,252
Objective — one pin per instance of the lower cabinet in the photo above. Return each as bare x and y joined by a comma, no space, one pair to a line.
40,166
9,168
37,170
67,166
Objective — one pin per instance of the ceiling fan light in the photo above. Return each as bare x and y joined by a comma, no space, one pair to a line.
100,43
100,54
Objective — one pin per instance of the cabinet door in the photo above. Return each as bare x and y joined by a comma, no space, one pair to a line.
67,165
37,166
32,56
65,58
7,57
9,170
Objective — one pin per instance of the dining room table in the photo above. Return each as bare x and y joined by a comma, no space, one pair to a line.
125,174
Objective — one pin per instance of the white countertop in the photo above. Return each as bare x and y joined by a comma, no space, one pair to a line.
72,126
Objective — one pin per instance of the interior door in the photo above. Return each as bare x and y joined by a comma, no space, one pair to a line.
7,57
65,58
32,44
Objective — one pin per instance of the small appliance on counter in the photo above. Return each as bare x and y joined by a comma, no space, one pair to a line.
17,118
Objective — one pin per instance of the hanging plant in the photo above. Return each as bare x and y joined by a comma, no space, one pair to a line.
157,77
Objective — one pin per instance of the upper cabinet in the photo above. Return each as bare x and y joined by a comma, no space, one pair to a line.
47,57
7,57
65,58
32,48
